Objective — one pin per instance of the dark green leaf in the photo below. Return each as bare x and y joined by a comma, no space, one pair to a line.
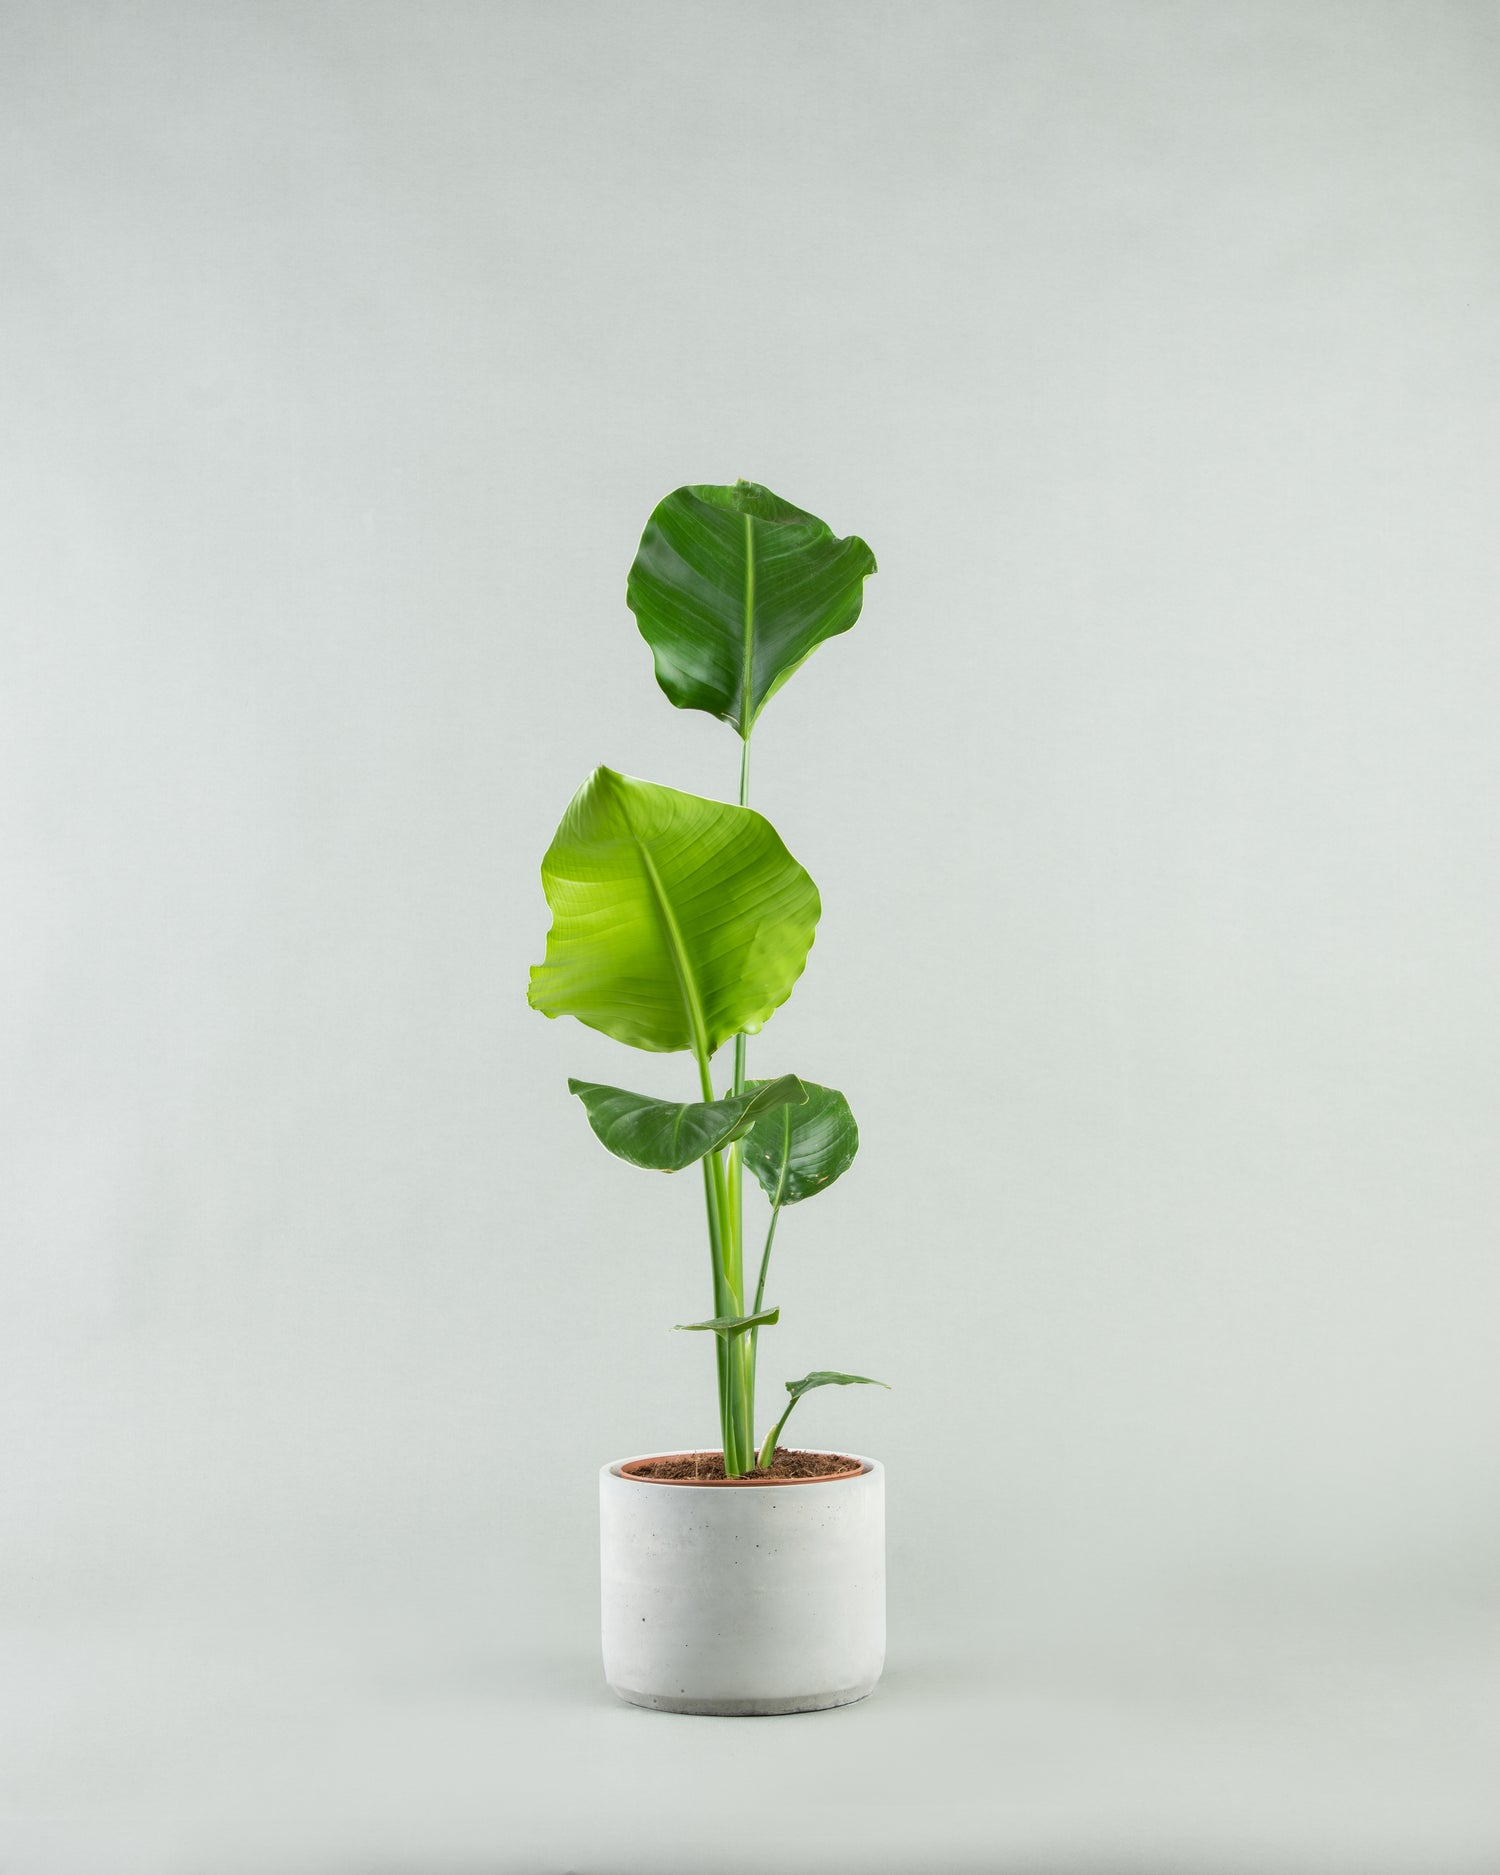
731,1325
676,922
800,1151
733,588
666,1135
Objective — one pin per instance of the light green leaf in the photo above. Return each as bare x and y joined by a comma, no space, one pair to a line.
730,1325
677,922
822,1378
733,588
666,1135
796,1152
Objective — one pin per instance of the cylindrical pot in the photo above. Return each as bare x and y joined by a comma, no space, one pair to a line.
740,1599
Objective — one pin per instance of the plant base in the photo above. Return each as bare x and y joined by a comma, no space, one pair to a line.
789,1467
739,1602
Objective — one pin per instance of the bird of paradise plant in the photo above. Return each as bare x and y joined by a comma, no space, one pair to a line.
682,924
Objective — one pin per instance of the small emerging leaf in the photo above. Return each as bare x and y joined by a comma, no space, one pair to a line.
797,1154
731,1325
822,1378
666,1135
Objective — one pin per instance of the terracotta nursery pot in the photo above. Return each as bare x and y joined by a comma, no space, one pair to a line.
742,1598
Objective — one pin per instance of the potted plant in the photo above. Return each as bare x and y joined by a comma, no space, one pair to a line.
752,1579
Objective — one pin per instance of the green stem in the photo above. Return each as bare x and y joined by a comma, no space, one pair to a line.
768,1450
727,1296
721,1353
739,1383
742,1357
765,1257
739,1435
741,1399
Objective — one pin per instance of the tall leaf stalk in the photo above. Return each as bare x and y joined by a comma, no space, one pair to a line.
737,1392
738,1425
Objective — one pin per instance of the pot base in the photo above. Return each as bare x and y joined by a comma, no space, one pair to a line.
742,1708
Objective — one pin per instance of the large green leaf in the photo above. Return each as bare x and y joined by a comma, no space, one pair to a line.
796,1152
666,1135
676,922
733,588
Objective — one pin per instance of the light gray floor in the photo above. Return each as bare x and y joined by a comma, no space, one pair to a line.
321,1742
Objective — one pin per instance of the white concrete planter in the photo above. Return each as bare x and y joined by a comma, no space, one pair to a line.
743,1599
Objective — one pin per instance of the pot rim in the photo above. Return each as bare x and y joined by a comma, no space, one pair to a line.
616,1469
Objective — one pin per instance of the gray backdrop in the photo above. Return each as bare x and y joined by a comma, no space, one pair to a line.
1153,802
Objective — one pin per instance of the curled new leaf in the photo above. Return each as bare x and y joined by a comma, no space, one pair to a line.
676,921
728,1326
798,1152
733,589
666,1135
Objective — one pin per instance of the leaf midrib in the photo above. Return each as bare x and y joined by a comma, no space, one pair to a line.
686,981
747,655
786,1156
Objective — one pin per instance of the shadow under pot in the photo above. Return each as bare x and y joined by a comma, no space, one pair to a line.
742,1597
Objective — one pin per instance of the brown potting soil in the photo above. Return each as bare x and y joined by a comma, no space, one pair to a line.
708,1468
